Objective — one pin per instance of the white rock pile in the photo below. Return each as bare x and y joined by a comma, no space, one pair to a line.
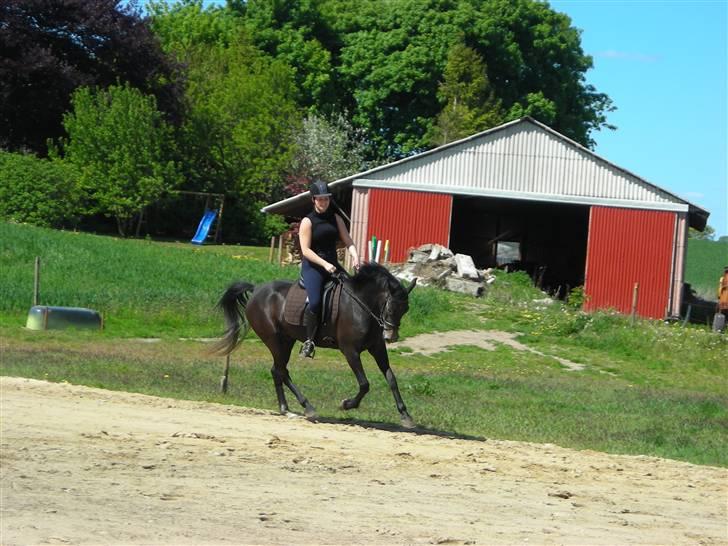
436,265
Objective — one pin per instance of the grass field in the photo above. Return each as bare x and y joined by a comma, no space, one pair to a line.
656,389
705,263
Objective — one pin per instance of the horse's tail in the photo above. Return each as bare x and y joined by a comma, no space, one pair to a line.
233,303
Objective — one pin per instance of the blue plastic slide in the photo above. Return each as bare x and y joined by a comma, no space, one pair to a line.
204,228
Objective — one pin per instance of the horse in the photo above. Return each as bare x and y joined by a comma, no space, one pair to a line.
371,308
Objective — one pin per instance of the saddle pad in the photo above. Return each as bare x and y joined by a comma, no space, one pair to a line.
296,304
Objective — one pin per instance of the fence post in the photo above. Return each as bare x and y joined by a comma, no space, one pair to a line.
635,293
272,246
36,282
280,250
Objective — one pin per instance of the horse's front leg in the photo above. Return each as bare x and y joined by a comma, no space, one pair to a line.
379,352
354,360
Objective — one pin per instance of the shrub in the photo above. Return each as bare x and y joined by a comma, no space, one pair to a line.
36,191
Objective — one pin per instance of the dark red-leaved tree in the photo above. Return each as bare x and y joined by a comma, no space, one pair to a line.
48,48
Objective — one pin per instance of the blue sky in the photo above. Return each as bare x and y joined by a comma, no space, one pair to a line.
663,63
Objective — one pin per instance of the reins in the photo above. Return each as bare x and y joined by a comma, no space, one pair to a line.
384,323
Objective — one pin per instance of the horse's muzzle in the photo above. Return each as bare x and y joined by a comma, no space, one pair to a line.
390,336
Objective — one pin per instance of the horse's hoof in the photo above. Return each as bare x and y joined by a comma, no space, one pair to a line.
310,414
347,404
407,422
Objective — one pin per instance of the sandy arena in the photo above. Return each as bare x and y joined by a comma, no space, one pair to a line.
87,466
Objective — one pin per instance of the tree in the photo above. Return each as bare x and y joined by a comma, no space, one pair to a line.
707,234
294,31
470,103
394,52
186,24
38,191
240,117
537,67
51,47
122,148
326,149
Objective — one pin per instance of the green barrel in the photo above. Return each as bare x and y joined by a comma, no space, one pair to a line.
44,317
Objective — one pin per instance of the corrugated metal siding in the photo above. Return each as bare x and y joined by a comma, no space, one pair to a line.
359,220
522,159
407,219
628,246
678,268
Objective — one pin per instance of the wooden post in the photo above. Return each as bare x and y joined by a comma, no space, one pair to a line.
224,378
272,247
280,250
36,282
635,293
218,224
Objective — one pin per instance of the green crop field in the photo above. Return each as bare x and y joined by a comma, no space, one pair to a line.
650,388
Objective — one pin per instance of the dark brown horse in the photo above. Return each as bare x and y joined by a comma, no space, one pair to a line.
371,307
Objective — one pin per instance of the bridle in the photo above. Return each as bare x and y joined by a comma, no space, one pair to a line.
383,322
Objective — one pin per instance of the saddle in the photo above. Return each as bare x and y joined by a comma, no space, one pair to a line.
296,303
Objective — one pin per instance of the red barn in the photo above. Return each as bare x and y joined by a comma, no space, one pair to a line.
524,194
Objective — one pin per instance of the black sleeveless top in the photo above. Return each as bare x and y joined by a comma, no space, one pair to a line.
324,235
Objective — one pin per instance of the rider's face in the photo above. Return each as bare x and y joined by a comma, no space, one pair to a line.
321,203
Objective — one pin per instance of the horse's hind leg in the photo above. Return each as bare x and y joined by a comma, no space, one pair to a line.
281,351
379,352
308,410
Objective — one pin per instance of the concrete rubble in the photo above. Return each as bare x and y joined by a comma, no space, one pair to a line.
436,265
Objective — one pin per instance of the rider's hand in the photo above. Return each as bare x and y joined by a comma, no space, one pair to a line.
356,264
330,268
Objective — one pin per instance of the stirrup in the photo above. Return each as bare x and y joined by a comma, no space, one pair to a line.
308,349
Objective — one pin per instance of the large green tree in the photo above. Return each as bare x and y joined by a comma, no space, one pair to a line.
240,118
241,111
470,103
295,32
388,60
122,147
48,48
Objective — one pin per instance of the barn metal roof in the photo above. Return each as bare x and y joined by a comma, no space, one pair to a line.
522,159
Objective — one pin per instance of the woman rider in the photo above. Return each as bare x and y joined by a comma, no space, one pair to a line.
318,234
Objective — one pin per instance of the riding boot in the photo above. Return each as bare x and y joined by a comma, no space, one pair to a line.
311,321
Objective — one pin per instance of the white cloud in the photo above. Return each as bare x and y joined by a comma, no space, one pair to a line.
628,56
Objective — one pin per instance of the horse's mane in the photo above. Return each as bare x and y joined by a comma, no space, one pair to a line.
373,273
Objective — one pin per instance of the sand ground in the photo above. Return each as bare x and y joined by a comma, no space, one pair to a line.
88,466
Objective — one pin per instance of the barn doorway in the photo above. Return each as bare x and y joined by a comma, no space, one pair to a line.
547,240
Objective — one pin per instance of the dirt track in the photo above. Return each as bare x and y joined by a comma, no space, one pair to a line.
86,466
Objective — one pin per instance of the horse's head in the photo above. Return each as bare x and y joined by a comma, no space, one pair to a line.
387,300
395,307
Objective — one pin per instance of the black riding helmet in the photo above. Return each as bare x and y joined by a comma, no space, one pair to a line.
319,189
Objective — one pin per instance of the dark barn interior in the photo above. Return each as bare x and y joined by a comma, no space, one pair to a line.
547,240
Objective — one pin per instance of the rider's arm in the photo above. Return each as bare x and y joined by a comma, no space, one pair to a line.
346,239
304,237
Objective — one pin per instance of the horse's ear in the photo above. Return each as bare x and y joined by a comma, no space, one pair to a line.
411,286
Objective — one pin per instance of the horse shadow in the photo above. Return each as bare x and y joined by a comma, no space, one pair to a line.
392,427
